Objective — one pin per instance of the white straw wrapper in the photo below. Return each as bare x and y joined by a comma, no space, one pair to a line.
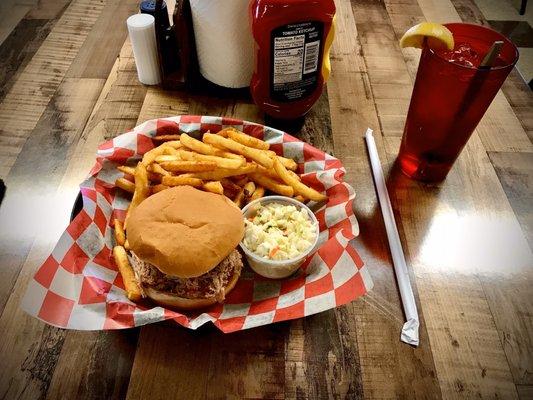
410,328
141,28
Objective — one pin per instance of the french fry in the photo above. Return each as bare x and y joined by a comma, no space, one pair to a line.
181,181
271,184
249,188
167,157
175,144
227,154
220,173
125,185
298,186
150,156
126,169
300,198
171,151
120,236
158,169
288,163
213,187
142,190
248,140
133,290
189,166
258,193
127,245
270,172
166,138
224,132
220,161
204,148
159,188
259,156
197,145
294,175
239,199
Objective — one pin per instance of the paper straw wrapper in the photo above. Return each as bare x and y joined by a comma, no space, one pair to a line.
410,328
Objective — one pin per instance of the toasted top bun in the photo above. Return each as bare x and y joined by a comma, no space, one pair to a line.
185,232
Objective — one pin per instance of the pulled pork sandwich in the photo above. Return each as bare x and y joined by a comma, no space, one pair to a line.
183,247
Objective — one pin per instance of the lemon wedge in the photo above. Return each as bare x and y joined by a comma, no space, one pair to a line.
438,36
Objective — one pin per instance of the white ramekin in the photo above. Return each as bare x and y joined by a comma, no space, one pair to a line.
276,269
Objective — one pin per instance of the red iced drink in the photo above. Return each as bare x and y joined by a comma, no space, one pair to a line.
450,96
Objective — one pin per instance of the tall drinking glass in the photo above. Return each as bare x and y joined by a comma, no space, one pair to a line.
450,96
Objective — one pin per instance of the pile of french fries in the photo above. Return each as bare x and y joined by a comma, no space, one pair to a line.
230,163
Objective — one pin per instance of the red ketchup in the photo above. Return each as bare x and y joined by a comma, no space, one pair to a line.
293,38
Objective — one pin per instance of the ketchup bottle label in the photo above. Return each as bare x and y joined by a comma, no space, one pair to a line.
296,60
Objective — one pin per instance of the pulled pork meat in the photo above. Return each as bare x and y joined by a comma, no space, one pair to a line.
209,285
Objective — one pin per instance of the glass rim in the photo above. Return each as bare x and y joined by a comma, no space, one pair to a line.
505,39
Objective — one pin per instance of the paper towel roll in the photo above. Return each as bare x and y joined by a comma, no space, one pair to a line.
224,41
141,29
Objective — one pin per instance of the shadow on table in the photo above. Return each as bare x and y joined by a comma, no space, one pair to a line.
413,203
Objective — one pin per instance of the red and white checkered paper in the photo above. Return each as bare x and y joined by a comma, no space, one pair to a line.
79,287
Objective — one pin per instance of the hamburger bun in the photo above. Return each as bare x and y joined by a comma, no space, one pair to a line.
185,232
170,300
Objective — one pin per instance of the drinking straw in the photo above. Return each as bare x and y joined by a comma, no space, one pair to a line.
493,52
410,327
479,78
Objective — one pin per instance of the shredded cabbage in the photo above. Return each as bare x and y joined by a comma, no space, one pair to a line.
279,232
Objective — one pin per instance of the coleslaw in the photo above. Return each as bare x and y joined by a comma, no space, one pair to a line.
279,232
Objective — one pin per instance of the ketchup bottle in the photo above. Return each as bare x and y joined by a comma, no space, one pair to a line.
293,38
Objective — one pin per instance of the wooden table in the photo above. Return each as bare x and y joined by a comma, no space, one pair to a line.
468,240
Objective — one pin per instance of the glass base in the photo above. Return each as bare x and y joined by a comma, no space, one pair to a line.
421,170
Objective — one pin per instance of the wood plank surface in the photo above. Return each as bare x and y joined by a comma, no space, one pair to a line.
468,354
24,104
11,14
47,9
467,240
525,392
102,45
451,378
352,110
18,49
100,377
37,216
42,162
515,172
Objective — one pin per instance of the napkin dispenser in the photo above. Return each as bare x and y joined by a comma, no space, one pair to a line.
209,40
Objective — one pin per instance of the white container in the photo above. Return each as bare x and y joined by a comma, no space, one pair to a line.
224,42
276,269
141,29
